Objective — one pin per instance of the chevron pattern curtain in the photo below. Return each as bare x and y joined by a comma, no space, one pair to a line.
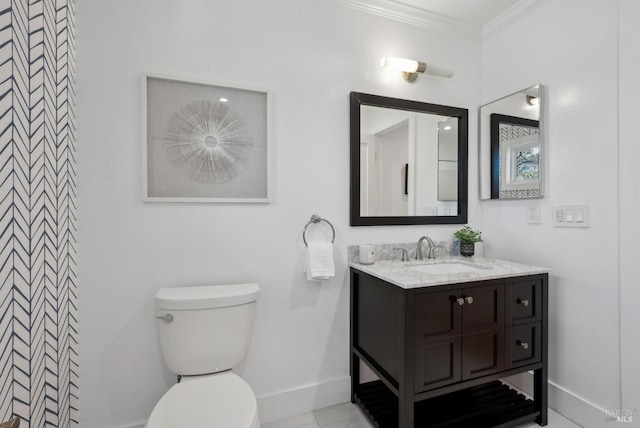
38,288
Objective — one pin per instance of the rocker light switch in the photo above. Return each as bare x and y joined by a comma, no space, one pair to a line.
571,216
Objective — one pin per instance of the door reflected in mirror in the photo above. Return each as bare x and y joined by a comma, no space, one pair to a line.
512,146
408,160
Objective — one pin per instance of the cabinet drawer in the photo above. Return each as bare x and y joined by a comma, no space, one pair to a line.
523,344
523,303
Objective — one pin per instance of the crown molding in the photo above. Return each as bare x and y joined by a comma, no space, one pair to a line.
415,16
510,16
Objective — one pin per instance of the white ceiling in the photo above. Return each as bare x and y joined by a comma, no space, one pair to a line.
474,12
478,19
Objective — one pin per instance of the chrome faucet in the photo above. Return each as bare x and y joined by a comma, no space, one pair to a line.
430,255
405,255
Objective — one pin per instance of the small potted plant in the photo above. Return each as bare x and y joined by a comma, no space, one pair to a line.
468,237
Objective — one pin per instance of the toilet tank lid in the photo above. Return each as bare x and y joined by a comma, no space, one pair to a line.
207,296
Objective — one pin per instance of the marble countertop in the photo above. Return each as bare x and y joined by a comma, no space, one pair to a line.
403,275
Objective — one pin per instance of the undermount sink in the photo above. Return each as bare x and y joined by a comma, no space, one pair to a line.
449,267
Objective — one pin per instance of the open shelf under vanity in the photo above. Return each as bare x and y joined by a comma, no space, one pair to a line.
493,404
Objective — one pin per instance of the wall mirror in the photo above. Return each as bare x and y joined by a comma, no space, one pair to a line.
512,146
408,162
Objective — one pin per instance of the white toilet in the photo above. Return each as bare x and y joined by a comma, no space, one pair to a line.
204,332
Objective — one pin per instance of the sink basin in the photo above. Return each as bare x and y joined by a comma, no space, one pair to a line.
449,267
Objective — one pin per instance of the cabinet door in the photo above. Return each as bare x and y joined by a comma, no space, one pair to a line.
438,315
482,354
438,325
483,350
483,310
437,363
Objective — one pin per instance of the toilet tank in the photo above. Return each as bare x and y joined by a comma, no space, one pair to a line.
205,329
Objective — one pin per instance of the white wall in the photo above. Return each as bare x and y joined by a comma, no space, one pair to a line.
311,54
393,154
425,171
570,46
629,156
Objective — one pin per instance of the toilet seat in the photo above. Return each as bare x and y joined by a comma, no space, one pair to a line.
222,400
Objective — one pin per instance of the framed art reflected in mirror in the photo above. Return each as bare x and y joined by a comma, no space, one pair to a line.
511,152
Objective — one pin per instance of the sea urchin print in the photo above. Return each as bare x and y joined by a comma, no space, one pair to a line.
208,142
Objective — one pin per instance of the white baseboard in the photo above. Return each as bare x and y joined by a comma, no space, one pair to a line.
570,405
303,399
138,425
311,397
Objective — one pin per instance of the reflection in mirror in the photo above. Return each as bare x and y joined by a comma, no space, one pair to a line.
408,160
512,146
448,162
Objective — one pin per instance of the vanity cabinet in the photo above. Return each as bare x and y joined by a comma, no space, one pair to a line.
439,351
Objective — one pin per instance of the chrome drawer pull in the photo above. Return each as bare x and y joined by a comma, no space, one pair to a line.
523,302
524,345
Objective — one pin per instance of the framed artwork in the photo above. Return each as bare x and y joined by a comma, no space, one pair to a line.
204,142
515,157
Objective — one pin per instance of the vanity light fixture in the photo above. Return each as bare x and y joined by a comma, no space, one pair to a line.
410,68
532,101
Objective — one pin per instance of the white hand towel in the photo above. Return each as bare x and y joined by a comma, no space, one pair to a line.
319,264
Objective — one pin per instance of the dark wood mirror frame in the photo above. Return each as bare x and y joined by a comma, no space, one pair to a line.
360,99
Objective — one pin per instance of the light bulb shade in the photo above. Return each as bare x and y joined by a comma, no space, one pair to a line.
400,64
436,70
410,67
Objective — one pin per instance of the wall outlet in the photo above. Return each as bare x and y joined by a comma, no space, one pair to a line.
533,215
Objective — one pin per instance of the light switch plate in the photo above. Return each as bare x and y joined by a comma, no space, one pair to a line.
571,216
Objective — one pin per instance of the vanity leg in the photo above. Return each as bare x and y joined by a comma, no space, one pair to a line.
406,388
540,394
354,362
540,376
355,375
406,409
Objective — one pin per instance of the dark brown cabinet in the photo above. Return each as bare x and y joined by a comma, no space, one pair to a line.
451,342
460,335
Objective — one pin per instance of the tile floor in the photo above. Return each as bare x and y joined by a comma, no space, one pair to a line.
348,415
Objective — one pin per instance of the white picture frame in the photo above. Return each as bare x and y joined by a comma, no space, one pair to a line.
204,142
508,163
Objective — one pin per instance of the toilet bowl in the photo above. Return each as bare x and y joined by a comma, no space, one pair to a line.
204,332
222,400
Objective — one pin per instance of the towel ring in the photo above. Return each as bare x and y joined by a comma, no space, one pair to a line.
317,219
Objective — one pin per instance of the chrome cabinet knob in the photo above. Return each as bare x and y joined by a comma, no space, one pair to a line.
469,299
523,302
523,345
460,301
